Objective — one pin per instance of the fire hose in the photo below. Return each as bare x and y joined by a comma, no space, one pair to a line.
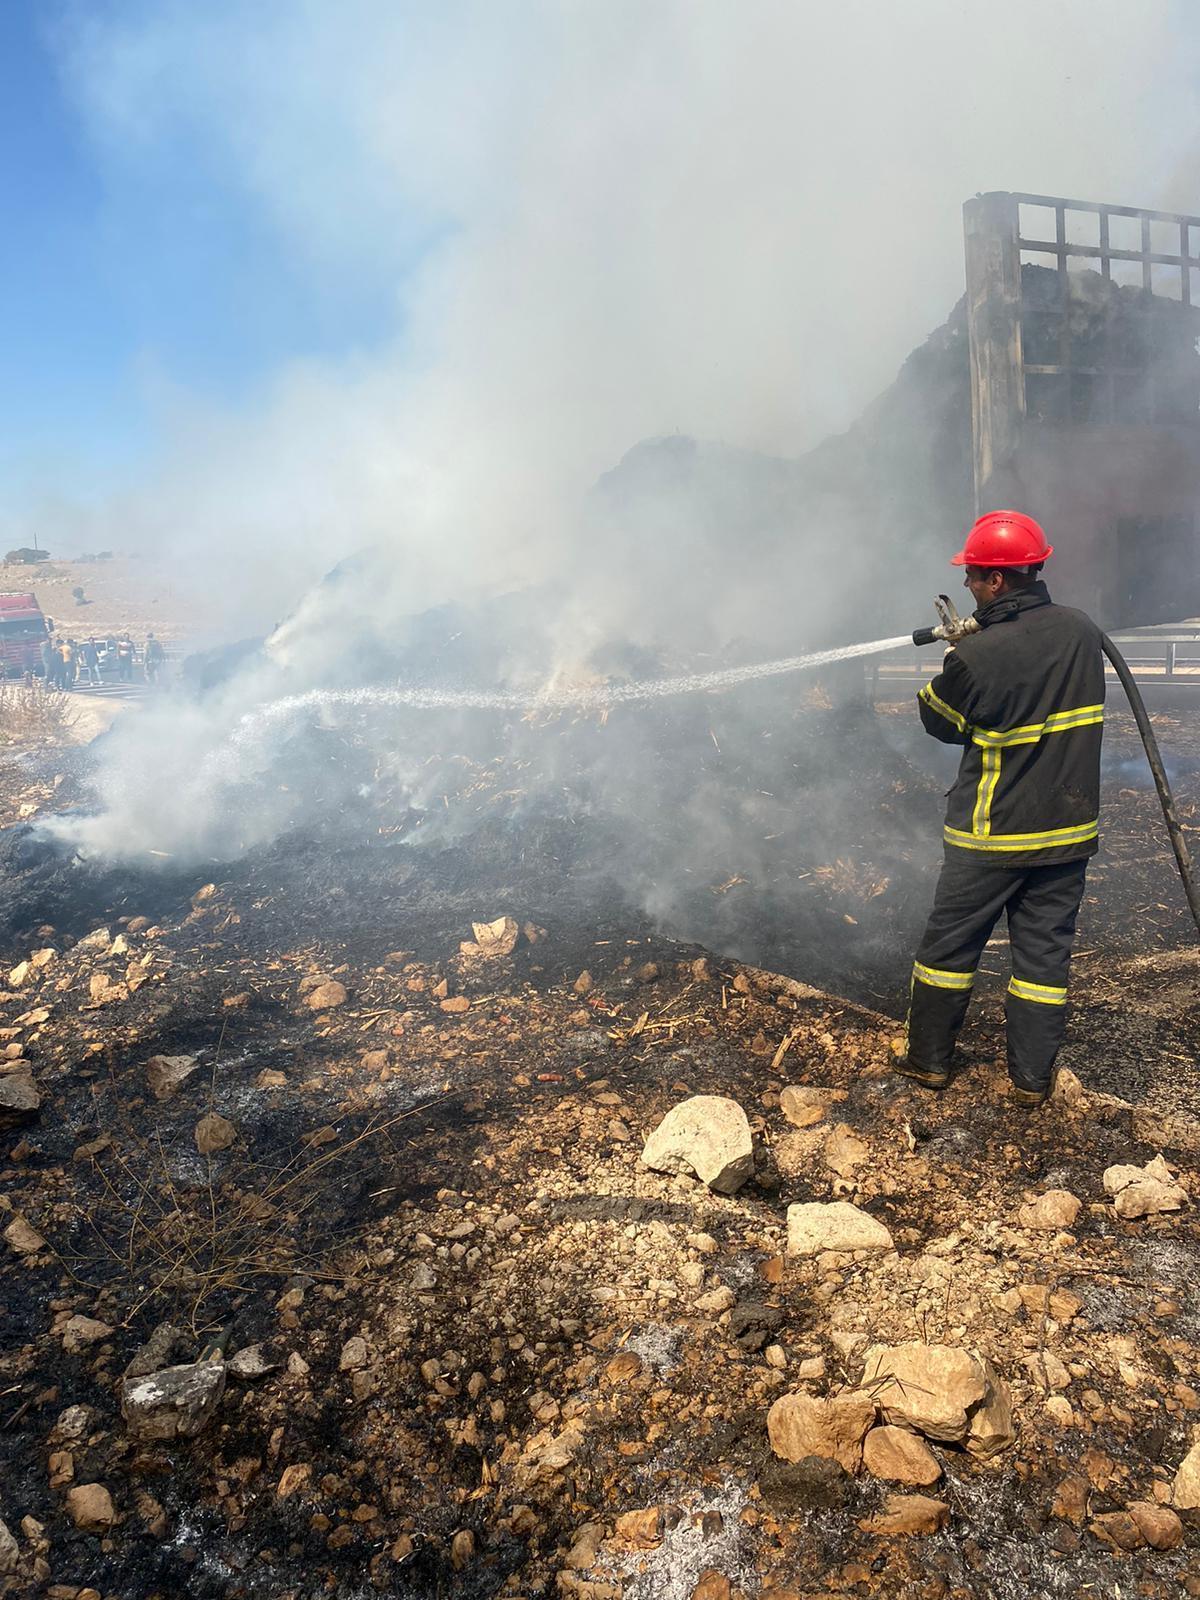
952,627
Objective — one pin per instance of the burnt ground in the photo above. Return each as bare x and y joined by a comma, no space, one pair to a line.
445,1166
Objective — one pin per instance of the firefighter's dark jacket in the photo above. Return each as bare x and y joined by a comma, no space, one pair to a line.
1026,698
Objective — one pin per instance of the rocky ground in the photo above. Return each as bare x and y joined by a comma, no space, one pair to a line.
333,1263
474,1344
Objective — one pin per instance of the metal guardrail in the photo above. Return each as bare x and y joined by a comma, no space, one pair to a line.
1156,654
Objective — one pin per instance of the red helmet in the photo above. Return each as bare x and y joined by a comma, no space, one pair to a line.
1003,539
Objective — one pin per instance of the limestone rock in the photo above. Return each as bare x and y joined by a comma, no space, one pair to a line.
1185,1491
707,1135
585,1547
293,1478
326,996
176,1403
898,1456
18,1093
1060,1304
103,991
802,1106
546,1456
73,1424
1117,1529
24,1238
354,1354
643,1529
1057,1208
845,1152
1047,1370
835,1226
10,1555
165,1346
1058,1409
90,1507
1071,1500
1144,1191
945,1393
492,940
166,1075
1158,1525
1068,1091
799,1425
912,1514
712,1585
992,1428
250,1362
80,1332
716,1300
213,1133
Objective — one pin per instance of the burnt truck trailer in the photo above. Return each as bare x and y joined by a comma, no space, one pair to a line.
23,631
1083,321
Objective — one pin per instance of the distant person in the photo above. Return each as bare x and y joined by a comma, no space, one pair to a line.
152,658
125,658
89,660
49,668
66,664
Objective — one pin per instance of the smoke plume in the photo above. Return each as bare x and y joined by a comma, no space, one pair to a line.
603,225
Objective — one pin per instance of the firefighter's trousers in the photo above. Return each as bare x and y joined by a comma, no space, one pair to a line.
1042,904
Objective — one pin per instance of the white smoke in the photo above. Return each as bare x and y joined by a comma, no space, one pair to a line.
605,223
648,217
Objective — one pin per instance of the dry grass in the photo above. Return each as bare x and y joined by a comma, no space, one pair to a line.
176,1245
30,714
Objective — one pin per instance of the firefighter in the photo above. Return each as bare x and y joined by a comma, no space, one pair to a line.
1025,698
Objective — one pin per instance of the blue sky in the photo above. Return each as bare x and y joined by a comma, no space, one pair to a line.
123,271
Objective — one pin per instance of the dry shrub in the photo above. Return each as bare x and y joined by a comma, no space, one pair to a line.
31,714
182,1246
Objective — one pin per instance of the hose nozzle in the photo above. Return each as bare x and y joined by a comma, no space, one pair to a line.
951,628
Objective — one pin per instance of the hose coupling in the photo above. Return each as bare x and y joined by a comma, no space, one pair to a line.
951,628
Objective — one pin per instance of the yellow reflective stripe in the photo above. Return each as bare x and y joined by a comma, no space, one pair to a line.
1031,732
940,706
941,979
1042,993
1081,716
989,777
1079,834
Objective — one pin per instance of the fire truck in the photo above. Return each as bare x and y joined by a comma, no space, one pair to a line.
23,630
